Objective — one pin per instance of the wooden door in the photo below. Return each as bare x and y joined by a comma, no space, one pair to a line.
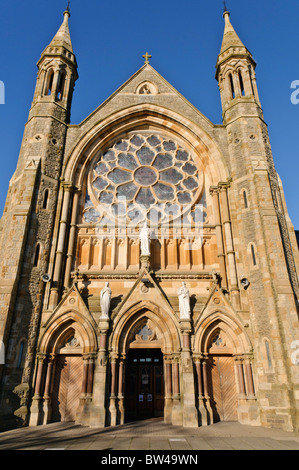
222,388
67,387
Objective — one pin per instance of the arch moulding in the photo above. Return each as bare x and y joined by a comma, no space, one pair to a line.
137,118
238,339
126,325
59,327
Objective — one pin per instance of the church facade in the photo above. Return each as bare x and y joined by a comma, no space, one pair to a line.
148,266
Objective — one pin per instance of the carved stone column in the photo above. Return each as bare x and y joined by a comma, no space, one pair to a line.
249,379
113,388
36,407
121,391
206,390
240,375
98,406
203,414
47,391
235,292
214,191
54,295
168,389
84,411
71,244
177,412
190,418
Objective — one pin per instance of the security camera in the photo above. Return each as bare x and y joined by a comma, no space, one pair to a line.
45,278
245,282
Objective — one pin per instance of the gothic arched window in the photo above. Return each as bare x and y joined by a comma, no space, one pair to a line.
232,88
241,83
36,255
50,80
253,255
45,200
245,199
61,85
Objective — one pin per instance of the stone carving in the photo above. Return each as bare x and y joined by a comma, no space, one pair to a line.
145,334
218,341
145,90
73,342
105,300
144,237
184,302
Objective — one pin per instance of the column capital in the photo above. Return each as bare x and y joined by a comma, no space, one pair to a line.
41,357
214,190
68,186
198,357
224,185
113,356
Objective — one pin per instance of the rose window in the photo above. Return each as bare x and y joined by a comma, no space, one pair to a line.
142,176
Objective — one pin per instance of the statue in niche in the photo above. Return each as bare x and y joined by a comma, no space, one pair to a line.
145,90
144,237
184,302
105,300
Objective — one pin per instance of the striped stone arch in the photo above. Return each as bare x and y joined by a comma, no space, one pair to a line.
60,328
167,336
223,354
238,340
198,137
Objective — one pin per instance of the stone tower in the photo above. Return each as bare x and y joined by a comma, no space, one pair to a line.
29,214
264,240
148,263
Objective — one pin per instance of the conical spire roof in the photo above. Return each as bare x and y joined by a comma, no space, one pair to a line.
230,37
231,44
63,38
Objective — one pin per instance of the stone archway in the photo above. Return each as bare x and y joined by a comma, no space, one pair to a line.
224,369
64,376
145,342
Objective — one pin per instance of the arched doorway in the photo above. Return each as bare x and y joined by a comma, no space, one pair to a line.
67,380
144,341
222,387
64,377
144,393
224,370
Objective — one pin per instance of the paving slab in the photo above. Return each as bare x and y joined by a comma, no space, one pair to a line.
149,435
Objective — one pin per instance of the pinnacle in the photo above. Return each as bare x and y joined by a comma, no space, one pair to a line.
62,37
230,37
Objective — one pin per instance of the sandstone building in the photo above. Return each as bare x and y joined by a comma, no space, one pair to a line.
95,327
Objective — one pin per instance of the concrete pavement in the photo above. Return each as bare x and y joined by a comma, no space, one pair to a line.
149,435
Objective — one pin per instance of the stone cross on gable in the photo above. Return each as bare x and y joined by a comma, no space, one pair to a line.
147,56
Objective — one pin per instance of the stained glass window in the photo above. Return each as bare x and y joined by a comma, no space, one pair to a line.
148,173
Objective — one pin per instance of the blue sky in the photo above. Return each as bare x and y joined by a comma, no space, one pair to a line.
184,39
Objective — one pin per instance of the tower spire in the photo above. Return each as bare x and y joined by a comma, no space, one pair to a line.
235,68
230,37
63,38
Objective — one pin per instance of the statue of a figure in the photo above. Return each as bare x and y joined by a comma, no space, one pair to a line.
144,237
105,300
184,302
